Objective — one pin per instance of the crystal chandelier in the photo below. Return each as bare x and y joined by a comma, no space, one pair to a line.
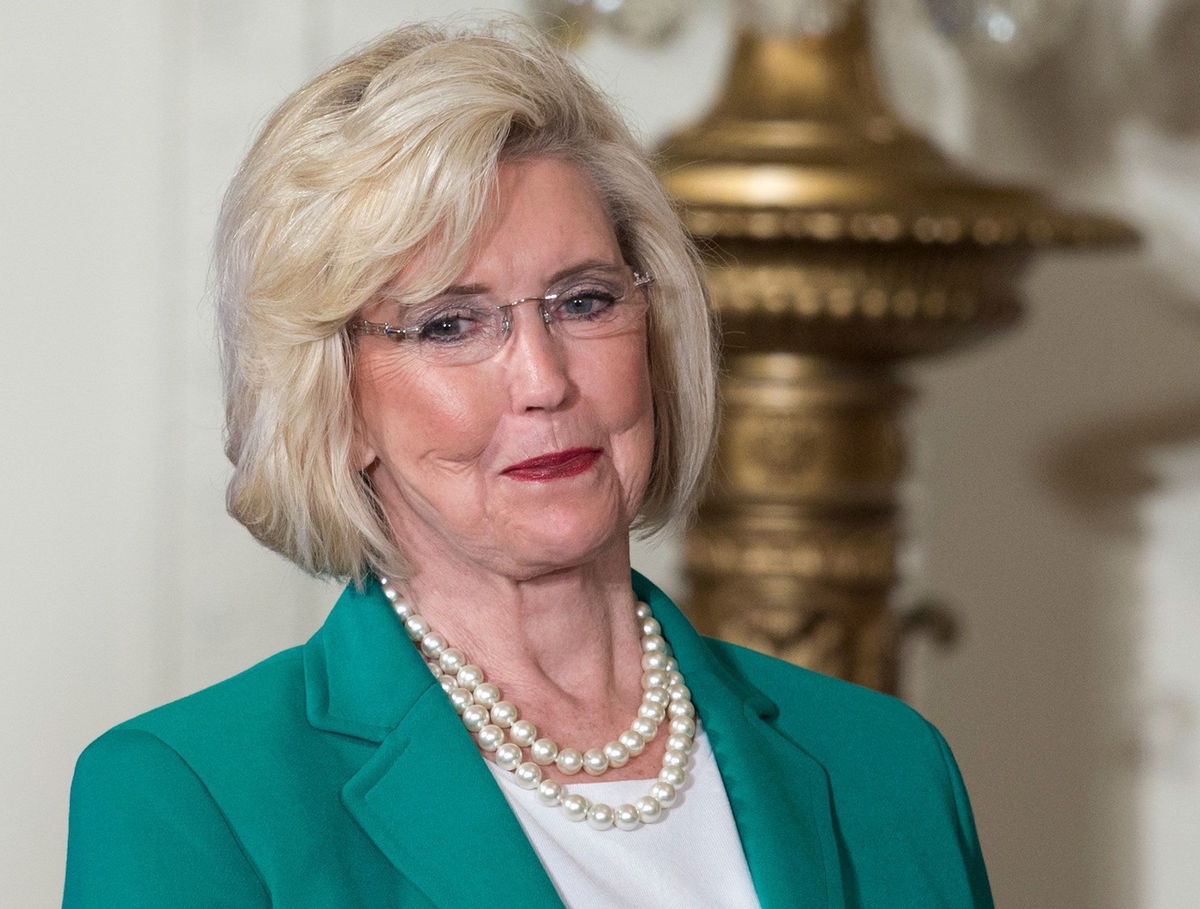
1004,33
998,33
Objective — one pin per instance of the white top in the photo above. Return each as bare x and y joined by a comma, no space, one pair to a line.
692,857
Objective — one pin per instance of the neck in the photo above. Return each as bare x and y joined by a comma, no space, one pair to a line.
564,645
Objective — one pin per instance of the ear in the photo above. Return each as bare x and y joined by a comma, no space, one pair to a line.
362,452
362,448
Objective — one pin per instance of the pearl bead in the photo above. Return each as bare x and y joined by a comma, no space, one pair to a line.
600,816
433,644
504,713
652,712
673,775
575,806
626,817
660,697
461,699
475,717
633,741
681,708
683,725
617,754
569,761
684,743
594,761
451,660
645,728
654,642
498,729
528,775
649,809
543,751
550,792
508,756
654,660
486,694
470,676
416,626
663,793
675,759
654,678
523,732
490,737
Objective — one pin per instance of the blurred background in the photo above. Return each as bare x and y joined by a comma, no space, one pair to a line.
1053,498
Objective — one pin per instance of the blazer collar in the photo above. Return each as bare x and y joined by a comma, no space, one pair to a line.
778,792
423,796
362,674
364,678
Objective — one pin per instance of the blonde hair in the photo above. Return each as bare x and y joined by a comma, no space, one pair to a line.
392,151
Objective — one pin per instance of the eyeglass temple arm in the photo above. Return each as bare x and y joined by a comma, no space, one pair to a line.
363,327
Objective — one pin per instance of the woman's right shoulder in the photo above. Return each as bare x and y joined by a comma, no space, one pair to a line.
258,705
149,823
268,694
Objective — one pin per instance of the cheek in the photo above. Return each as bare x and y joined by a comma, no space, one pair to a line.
406,417
630,407
632,386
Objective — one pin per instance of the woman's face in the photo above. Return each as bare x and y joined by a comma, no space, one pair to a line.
536,458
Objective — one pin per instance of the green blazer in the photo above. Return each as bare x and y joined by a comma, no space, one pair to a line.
336,774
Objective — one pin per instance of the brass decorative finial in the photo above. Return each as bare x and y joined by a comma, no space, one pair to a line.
842,242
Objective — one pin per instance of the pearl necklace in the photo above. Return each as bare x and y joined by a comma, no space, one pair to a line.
492,720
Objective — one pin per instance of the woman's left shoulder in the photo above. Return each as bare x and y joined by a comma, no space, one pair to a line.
834,720
892,782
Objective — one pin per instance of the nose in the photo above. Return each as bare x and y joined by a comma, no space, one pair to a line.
536,362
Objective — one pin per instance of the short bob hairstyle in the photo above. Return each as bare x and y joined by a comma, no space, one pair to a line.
387,154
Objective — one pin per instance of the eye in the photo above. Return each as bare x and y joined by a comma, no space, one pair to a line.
452,326
585,303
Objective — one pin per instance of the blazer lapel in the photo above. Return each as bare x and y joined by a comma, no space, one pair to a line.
431,806
433,809
779,793
424,797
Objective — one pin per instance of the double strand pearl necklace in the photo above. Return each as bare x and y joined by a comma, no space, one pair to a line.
497,728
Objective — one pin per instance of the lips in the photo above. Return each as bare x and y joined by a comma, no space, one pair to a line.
556,466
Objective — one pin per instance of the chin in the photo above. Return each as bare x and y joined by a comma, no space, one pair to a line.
556,544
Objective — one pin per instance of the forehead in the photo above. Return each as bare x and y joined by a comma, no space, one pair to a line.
546,215
542,217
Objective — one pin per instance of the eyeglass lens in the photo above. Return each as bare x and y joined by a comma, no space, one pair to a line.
597,303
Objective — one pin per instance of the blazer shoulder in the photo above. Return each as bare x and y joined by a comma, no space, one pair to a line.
825,713
146,831
268,696
888,769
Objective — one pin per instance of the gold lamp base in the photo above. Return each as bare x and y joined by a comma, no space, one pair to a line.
841,243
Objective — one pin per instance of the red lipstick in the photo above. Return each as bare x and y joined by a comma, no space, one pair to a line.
556,466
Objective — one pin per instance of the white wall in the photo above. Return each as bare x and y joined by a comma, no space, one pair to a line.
1057,499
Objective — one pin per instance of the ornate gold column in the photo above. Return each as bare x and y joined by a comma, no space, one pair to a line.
840,243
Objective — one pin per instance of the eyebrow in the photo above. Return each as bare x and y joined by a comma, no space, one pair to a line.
473,290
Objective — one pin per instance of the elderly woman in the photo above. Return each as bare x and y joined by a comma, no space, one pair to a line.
467,351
